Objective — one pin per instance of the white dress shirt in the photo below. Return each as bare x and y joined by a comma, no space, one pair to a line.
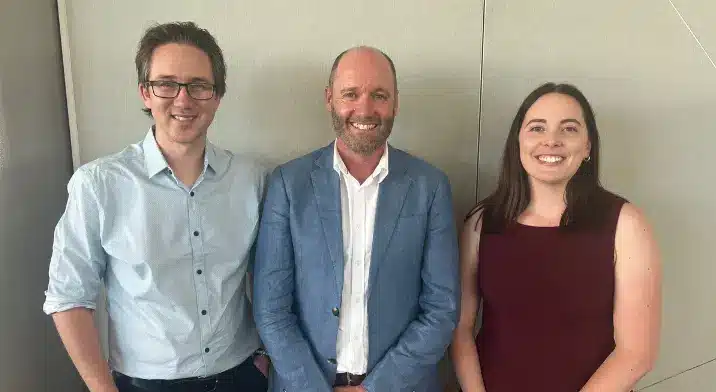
358,207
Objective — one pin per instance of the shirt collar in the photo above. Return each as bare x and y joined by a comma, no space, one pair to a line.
215,159
379,173
153,157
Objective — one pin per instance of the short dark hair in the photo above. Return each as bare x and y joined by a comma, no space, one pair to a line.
181,33
585,196
332,76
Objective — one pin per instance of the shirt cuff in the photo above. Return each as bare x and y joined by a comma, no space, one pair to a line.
55,305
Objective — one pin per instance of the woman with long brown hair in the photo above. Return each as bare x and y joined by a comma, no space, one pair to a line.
566,273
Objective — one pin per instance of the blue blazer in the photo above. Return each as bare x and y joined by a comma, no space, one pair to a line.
413,288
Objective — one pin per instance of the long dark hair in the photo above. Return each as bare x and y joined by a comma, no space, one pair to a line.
513,194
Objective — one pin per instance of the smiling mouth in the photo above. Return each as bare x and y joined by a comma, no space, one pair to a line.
550,159
362,126
182,118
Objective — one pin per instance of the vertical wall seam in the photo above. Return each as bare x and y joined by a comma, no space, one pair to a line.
69,84
481,103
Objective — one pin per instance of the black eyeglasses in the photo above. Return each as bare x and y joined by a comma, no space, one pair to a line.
170,89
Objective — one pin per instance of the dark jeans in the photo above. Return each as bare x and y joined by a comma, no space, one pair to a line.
243,378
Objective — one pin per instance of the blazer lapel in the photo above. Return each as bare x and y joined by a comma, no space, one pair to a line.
391,197
326,188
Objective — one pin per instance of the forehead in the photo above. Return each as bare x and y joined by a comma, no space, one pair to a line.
180,61
364,69
555,106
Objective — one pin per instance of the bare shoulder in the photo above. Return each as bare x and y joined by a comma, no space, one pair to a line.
635,241
473,224
632,221
470,239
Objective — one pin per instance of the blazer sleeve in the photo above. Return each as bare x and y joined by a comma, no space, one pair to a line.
290,352
423,343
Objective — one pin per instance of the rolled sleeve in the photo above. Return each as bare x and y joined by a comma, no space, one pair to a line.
78,261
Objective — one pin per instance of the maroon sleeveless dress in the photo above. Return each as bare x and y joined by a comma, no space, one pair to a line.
548,300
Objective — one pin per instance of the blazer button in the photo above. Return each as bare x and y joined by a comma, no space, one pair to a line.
332,361
335,311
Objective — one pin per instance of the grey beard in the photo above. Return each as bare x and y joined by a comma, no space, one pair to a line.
365,146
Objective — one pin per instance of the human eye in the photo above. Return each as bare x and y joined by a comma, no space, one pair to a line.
164,84
381,96
202,87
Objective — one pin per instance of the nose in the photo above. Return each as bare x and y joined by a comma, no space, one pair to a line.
183,99
553,142
553,139
365,106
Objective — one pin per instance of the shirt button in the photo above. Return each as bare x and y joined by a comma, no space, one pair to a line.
206,350
198,272
335,311
191,193
196,233
203,312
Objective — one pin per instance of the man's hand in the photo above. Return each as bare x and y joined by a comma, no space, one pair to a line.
262,363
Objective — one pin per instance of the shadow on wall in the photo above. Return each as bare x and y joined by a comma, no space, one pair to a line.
32,196
35,167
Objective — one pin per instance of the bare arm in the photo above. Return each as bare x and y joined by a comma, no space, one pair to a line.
637,306
463,350
81,339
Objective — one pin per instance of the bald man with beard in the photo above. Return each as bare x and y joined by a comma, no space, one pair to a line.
356,276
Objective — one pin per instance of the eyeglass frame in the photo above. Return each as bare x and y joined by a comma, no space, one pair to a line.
151,85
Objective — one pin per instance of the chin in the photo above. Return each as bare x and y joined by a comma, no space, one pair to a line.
551,180
556,182
186,135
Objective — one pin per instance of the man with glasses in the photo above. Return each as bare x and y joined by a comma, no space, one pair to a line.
168,226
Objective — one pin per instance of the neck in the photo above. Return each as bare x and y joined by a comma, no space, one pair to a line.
360,166
547,203
185,159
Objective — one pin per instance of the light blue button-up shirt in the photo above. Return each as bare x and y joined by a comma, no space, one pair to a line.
173,259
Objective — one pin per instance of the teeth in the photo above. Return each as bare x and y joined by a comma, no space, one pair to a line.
363,127
183,118
550,158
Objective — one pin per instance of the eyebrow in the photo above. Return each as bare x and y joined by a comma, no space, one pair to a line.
542,121
354,89
536,120
192,80
569,120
